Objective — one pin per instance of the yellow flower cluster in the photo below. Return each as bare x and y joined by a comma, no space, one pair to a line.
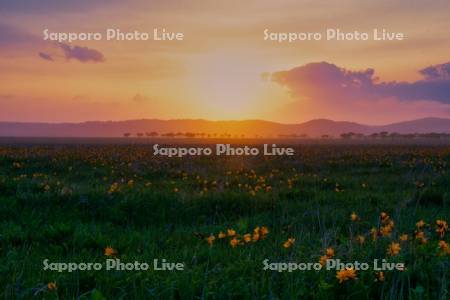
386,229
258,233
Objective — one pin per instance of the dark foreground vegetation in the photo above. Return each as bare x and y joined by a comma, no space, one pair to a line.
223,217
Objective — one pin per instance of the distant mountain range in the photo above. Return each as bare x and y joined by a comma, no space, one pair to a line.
249,128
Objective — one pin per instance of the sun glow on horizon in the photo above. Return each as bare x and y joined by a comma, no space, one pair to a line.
228,85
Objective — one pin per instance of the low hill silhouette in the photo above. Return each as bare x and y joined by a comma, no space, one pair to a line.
248,128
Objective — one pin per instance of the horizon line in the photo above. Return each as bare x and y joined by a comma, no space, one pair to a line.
217,121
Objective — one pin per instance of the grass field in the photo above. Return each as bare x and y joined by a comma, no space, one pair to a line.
222,217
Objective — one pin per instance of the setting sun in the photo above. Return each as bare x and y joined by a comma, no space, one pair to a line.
227,84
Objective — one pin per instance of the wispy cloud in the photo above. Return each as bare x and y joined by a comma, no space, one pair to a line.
82,54
45,56
14,40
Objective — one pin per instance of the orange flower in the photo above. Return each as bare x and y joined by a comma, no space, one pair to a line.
113,188
420,236
255,236
394,249
374,233
420,224
210,239
354,217
109,251
247,237
444,246
360,239
330,252
221,235
404,237
264,231
289,243
323,260
51,286
231,232
346,274
386,230
384,217
380,276
390,223
234,242
442,227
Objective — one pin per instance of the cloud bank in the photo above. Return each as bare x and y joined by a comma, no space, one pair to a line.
327,82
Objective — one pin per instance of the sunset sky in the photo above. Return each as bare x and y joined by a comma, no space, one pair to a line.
223,69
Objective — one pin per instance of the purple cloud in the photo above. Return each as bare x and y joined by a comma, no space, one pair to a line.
82,54
14,40
436,72
328,82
